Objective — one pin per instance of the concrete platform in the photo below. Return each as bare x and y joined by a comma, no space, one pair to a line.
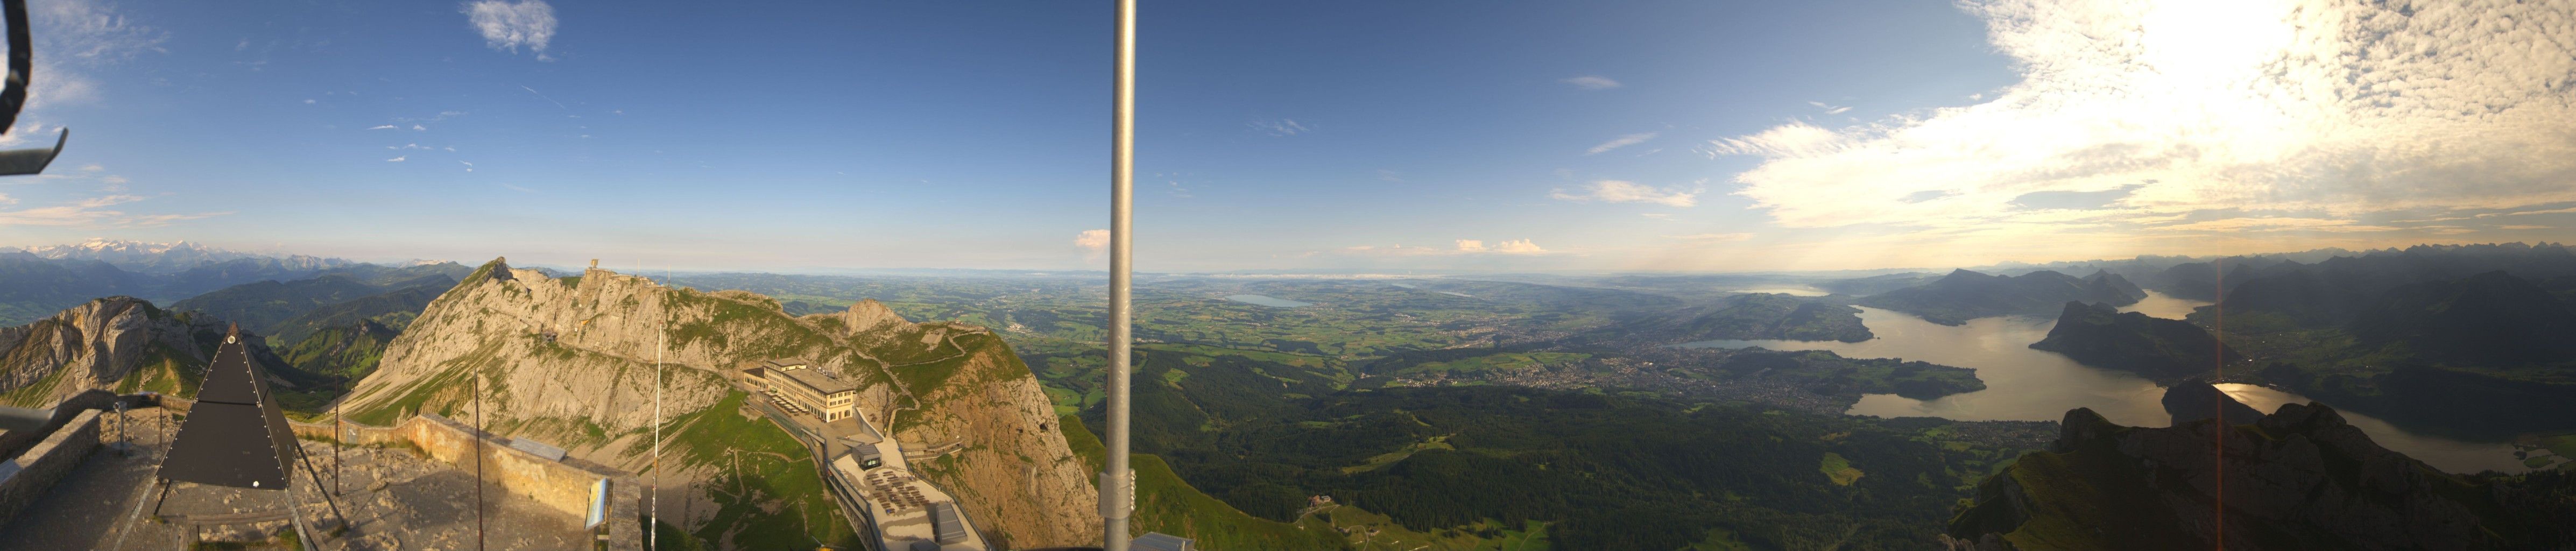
395,499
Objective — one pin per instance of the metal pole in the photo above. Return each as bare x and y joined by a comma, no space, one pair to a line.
1118,487
653,513
478,462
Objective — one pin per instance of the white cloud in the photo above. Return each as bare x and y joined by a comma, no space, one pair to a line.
509,25
381,127
419,127
1621,191
1622,141
1592,82
1468,246
308,102
2316,106
1093,241
5,199
1829,109
1522,246
398,159
469,167
1712,237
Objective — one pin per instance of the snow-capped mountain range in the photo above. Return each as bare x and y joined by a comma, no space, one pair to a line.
167,258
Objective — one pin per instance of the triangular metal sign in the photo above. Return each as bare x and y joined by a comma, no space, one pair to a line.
235,435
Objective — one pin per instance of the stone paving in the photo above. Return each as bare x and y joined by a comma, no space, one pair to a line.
395,499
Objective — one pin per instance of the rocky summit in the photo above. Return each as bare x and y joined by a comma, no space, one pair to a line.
571,361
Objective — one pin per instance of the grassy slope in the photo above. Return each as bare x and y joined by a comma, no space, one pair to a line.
1166,504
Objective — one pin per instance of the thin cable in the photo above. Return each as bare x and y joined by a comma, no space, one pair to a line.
478,462
661,336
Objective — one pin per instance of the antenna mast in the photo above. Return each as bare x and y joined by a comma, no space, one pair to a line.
1118,486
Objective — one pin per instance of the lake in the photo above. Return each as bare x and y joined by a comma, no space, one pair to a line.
1267,301
2023,384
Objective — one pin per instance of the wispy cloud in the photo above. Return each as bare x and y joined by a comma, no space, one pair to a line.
1592,82
1389,175
1622,141
2525,227
398,159
469,167
381,127
93,212
1712,237
510,25
1281,127
1829,109
2277,223
1621,191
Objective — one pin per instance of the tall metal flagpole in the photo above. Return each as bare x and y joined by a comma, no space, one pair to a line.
1118,486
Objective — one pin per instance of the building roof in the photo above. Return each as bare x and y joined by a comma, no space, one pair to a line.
1158,541
783,365
823,382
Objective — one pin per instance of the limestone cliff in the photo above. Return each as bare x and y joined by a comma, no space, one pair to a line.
98,345
570,361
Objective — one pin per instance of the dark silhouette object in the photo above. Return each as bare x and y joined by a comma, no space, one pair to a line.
13,96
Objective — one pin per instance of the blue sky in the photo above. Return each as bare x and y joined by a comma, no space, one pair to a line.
1379,136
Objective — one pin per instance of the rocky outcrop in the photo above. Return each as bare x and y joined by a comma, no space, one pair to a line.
2300,478
93,346
571,362
2101,336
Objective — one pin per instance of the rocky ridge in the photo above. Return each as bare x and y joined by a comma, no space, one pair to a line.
2300,478
570,361
97,345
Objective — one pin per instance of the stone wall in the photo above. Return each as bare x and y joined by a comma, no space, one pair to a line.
26,477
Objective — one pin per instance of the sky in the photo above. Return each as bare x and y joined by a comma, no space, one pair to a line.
1373,136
